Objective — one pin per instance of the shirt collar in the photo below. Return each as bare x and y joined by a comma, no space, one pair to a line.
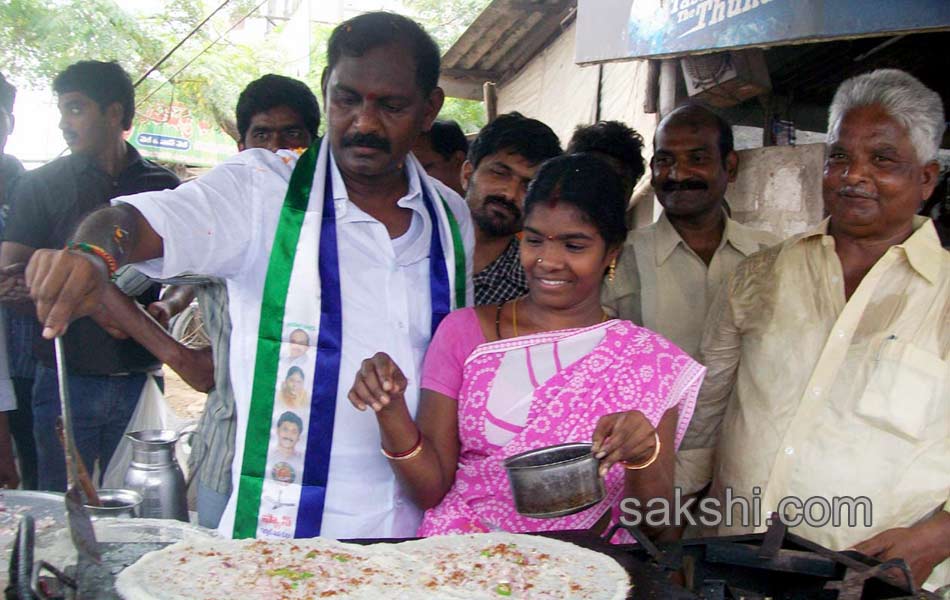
667,238
132,159
349,212
735,235
922,249
510,259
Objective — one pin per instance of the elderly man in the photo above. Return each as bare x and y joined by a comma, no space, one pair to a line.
828,354
351,242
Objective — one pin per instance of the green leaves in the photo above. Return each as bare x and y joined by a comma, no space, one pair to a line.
39,38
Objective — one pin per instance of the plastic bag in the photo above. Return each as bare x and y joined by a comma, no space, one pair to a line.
151,412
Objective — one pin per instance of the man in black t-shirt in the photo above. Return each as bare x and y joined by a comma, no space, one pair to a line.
106,375
15,416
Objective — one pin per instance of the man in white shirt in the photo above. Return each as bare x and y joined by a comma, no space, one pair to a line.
363,238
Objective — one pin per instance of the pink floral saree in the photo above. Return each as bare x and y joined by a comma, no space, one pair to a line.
550,388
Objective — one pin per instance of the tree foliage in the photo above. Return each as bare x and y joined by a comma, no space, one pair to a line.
446,20
39,38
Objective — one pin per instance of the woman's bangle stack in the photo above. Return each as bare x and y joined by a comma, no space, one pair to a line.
410,453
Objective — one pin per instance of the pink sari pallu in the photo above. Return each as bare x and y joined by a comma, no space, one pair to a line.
550,388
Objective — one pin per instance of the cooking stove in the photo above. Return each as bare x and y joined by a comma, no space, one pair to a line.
775,565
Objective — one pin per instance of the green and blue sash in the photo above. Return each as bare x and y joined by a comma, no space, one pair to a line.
284,472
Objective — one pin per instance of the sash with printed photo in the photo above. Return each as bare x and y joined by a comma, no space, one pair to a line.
285,466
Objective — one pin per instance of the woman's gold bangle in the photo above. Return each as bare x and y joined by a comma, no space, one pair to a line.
649,461
410,453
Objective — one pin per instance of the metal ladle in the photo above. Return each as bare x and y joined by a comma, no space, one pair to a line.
80,525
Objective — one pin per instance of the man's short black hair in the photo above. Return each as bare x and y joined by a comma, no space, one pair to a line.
446,138
612,138
103,82
362,33
290,417
698,115
7,95
271,91
518,134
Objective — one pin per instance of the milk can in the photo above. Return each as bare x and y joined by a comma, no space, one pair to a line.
155,474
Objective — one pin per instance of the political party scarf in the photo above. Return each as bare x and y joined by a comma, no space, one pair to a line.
285,466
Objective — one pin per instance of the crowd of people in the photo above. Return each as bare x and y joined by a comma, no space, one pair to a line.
393,310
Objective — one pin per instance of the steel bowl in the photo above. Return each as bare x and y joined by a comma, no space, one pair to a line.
555,481
116,503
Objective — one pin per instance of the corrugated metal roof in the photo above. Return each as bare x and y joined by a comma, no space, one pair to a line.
500,41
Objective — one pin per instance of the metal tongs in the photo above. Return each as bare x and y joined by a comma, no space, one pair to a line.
80,525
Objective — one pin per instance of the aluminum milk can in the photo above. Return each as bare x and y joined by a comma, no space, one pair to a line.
155,474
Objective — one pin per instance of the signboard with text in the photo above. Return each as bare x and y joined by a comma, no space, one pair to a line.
617,29
173,134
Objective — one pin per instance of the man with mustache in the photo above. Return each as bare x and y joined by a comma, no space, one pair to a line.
501,162
828,355
106,375
350,240
669,272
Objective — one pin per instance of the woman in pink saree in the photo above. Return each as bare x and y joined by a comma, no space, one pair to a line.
544,369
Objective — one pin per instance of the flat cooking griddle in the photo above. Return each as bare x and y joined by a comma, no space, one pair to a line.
650,582
768,565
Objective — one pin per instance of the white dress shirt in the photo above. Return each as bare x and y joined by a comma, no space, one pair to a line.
223,225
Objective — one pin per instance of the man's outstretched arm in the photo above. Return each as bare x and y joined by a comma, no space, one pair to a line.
67,284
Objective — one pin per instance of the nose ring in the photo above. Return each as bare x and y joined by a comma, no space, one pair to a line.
539,260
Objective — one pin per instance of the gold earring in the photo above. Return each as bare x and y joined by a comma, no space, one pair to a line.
612,270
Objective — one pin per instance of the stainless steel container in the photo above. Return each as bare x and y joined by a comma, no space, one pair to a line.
154,473
555,481
116,503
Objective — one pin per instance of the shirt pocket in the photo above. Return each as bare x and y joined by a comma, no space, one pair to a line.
906,392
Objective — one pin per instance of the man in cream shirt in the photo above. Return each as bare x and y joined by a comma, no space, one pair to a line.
669,272
827,355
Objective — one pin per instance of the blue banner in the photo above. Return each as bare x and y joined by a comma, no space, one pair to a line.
616,29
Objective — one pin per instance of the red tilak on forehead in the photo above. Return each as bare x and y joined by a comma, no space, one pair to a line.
371,97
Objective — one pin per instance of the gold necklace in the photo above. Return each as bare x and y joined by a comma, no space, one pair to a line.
514,316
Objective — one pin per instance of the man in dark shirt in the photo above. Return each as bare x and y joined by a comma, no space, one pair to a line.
19,421
10,167
106,375
502,161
